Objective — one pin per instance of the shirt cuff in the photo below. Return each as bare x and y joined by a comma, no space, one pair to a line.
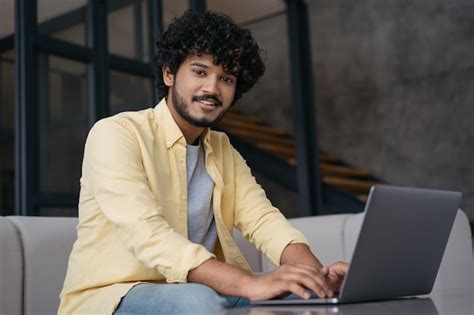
193,256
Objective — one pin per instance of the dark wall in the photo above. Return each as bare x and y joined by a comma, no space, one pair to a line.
395,87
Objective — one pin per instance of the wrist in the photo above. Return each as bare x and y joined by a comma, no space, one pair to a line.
299,253
246,284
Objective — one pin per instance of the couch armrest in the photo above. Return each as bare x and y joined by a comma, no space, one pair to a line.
47,243
11,269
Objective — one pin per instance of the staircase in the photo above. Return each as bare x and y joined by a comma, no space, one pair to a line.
344,188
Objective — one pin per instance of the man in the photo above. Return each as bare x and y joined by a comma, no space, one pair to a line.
161,193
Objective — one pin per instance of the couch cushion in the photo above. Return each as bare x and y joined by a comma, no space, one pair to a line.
11,269
47,243
248,250
351,233
325,235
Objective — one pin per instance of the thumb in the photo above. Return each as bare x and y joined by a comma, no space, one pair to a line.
339,268
325,271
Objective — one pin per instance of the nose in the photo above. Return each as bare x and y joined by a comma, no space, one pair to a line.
211,86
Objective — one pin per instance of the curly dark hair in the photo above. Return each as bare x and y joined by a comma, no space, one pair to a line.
198,33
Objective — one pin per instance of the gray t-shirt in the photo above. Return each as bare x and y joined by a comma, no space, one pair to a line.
201,224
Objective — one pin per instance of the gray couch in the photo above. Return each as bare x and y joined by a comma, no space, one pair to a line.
34,253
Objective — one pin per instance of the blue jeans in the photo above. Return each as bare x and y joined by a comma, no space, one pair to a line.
187,298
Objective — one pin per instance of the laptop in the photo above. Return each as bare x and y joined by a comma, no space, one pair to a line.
399,249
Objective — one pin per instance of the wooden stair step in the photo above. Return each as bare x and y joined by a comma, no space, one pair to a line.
289,152
327,169
275,140
233,124
352,185
279,150
325,157
253,137
291,161
237,116
333,171
338,170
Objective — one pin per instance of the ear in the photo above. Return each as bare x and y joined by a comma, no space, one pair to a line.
168,77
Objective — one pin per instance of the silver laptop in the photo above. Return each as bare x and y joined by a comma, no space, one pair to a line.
399,248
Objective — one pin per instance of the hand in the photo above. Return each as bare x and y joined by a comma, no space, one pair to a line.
336,274
288,278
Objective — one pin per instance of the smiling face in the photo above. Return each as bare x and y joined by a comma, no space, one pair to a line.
200,92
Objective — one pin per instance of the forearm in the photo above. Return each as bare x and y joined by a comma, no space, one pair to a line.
222,277
293,276
299,253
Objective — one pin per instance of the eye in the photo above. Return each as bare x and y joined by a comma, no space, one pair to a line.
228,80
199,72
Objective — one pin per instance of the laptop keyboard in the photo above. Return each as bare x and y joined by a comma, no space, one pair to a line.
312,295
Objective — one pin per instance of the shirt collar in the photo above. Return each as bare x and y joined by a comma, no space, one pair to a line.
206,140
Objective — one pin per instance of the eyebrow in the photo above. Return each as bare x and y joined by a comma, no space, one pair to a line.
200,65
204,66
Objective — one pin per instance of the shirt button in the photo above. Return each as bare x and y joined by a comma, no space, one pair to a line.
183,198
181,161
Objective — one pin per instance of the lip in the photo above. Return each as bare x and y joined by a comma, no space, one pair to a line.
208,107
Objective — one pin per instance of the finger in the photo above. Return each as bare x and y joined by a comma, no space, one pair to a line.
325,271
319,276
336,276
312,274
335,283
308,267
340,267
299,290
338,272
309,271
313,281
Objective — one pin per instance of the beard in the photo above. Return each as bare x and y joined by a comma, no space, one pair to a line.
181,108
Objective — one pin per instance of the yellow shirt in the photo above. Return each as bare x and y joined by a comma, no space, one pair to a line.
133,210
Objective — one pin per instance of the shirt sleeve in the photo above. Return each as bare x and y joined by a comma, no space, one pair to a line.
113,172
261,223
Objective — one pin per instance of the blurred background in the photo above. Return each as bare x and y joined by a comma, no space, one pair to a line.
355,93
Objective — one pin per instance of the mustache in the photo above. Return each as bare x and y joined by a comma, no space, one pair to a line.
207,97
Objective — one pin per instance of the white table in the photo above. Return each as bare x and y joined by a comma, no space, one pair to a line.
449,302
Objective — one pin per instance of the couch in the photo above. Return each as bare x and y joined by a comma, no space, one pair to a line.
34,253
